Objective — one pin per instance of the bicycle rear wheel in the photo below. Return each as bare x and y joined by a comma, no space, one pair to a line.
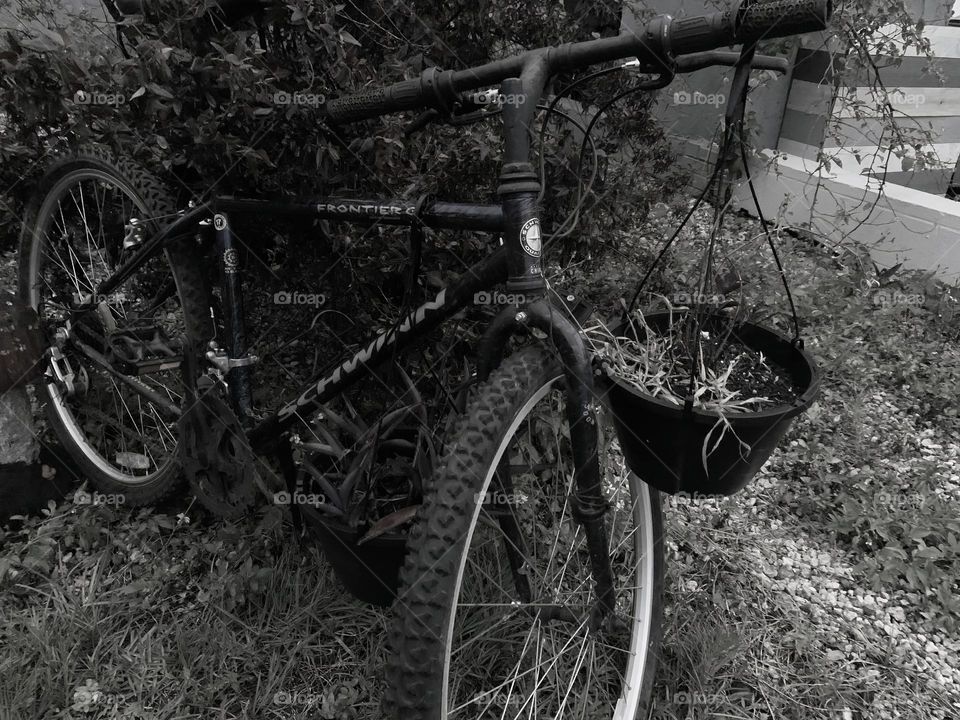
117,414
493,612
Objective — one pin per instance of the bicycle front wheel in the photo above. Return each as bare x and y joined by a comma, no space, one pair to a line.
493,616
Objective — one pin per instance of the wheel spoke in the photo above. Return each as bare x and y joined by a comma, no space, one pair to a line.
123,423
555,663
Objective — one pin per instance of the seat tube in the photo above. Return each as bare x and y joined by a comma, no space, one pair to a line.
519,191
239,372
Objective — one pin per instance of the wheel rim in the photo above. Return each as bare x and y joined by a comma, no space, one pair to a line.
556,667
77,240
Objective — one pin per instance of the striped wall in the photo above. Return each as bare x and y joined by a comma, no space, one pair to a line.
810,100
820,107
838,113
907,219
900,225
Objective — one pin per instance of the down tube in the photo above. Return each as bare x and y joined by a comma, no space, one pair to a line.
428,316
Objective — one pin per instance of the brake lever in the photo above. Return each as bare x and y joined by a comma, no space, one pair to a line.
468,118
712,58
698,61
431,116
475,106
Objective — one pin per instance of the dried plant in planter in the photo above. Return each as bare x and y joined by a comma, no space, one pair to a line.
702,380
706,360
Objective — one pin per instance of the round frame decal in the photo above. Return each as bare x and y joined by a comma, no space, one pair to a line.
530,237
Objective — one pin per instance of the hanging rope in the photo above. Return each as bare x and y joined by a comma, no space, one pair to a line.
733,131
797,340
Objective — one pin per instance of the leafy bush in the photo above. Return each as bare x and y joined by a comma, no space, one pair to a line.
211,104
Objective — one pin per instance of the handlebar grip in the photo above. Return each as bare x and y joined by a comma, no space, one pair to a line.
406,95
700,33
747,22
777,18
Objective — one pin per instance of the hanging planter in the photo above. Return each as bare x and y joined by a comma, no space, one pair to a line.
714,439
700,397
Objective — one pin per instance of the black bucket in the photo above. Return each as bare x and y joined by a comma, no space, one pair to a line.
663,444
371,571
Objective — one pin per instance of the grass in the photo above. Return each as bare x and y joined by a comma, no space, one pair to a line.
806,595
209,621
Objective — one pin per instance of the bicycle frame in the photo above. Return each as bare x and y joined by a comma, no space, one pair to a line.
450,300
518,264
421,320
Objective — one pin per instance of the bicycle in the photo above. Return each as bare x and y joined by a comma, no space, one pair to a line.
492,620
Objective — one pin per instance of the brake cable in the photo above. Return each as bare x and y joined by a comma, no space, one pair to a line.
662,80
560,96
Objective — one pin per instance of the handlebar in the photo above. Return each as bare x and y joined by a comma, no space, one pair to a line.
661,42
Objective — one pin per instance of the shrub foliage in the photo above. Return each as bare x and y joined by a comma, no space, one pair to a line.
234,105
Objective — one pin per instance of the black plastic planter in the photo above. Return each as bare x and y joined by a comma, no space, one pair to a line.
370,572
662,443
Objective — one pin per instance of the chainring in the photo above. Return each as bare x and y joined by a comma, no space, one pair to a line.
216,457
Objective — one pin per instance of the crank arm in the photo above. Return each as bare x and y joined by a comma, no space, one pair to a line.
163,403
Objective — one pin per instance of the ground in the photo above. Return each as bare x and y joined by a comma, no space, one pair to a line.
828,588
